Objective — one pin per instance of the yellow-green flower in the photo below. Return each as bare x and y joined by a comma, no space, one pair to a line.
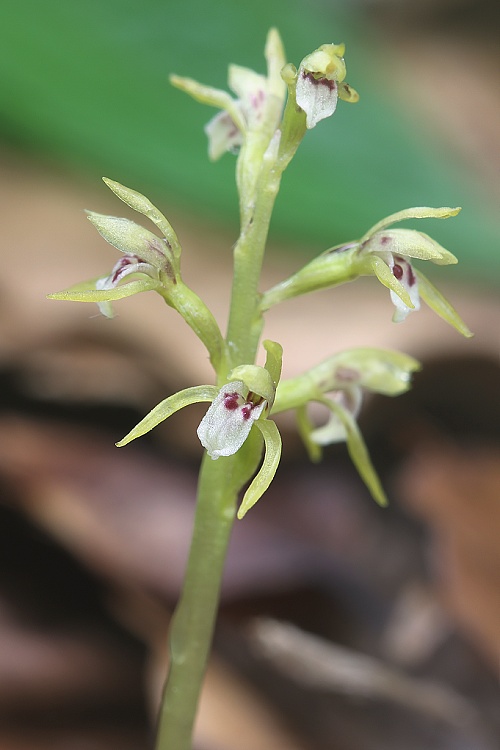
388,254
320,83
256,109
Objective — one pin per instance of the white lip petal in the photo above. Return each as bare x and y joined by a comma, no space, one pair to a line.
228,421
316,96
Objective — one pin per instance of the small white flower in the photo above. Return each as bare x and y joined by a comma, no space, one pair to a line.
228,421
225,133
256,107
389,253
320,83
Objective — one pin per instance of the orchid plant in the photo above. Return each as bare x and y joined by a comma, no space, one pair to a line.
263,125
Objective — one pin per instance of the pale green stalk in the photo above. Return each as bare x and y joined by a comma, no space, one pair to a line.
326,271
193,623
245,322
219,485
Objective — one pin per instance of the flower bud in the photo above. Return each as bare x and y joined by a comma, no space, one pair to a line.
134,240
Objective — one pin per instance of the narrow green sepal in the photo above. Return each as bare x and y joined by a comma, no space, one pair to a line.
440,304
274,359
86,291
409,243
143,205
275,58
272,455
418,212
133,239
169,406
358,451
376,266
211,96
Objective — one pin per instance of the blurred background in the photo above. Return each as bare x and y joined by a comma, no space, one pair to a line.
93,540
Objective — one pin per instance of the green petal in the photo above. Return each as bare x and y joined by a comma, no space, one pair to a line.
86,291
276,60
411,244
272,455
358,451
212,97
131,238
244,81
347,93
440,304
420,212
379,370
257,379
384,274
273,360
169,406
143,205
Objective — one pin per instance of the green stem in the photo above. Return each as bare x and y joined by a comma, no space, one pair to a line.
244,328
199,319
220,481
193,623
330,269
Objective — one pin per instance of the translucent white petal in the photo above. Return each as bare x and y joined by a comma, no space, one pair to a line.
317,97
404,273
223,135
334,431
228,421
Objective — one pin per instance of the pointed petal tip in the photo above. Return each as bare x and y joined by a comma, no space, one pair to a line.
265,475
111,184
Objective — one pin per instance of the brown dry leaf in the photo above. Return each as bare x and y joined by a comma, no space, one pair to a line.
457,492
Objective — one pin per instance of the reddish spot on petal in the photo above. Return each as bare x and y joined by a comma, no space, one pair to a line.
384,239
397,271
331,85
123,263
231,401
246,411
411,276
